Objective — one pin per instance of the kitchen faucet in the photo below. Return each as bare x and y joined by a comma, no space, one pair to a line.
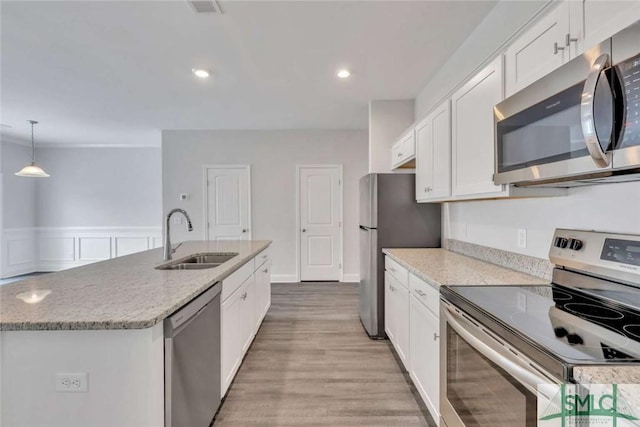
167,233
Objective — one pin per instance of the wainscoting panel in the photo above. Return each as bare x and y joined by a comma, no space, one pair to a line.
94,248
18,251
27,250
129,245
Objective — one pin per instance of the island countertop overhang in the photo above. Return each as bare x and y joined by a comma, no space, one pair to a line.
122,293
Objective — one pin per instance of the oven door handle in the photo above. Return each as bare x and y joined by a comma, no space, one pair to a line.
587,113
527,378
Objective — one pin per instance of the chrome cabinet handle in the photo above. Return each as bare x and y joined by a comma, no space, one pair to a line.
570,39
587,107
435,336
419,292
243,296
557,48
399,154
392,269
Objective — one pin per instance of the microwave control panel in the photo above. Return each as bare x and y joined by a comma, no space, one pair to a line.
629,72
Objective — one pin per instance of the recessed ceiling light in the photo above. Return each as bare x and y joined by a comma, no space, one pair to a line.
344,73
203,74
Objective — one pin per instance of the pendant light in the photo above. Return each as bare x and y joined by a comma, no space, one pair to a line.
33,170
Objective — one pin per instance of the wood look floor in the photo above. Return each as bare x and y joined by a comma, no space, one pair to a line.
312,364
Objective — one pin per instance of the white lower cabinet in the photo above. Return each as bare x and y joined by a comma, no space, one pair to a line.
242,311
237,329
424,354
397,316
263,292
412,325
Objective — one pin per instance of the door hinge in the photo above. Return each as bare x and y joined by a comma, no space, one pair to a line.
339,223
340,266
339,182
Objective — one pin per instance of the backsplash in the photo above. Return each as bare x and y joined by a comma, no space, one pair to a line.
523,263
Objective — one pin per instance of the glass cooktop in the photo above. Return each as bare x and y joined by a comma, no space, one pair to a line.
578,326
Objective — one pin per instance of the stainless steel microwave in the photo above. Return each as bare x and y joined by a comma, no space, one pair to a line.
579,125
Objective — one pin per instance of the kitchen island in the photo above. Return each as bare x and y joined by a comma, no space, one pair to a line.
105,320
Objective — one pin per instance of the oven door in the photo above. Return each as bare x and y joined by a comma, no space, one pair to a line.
484,382
562,126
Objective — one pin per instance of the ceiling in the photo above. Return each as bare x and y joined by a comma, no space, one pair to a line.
118,72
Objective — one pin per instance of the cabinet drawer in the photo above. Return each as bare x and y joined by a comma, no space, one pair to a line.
400,273
425,293
233,282
263,257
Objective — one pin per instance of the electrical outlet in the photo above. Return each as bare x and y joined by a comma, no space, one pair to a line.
522,238
522,301
72,382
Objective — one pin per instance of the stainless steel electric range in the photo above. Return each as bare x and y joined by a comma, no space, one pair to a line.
501,342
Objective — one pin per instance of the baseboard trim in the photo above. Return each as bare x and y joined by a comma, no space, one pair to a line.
283,278
351,278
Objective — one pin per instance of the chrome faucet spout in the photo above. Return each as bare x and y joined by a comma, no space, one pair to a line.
167,232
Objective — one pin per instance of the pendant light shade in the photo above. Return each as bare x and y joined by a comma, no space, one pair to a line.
32,170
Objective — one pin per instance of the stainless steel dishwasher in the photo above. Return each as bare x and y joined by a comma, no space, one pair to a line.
192,362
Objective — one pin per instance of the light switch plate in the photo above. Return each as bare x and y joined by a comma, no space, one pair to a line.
522,238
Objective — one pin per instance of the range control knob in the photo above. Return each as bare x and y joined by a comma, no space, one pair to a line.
561,332
561,242
575,244
575,339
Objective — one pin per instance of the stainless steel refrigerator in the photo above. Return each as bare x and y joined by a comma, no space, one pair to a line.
390,217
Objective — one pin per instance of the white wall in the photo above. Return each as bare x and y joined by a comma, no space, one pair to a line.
100,187
273,156
387,120
98,203
506,18
19,193
495,223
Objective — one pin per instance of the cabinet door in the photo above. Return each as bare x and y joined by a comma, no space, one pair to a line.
533,54
401,315
473,132
232,337
424,159
263,291
425,355
592,21
389,309
248,301
441,141
409,145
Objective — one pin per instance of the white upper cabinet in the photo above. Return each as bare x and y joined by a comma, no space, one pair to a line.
539,50
403,152
592,21
473,133
433,155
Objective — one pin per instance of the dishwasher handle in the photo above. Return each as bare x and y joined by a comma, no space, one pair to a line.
181,318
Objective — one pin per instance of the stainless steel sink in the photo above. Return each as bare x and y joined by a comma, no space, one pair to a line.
209,258
183,266
200,262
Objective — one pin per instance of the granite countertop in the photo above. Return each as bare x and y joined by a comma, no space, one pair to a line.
440,267
121,293
627,378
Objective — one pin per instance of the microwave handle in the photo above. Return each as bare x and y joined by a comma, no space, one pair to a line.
587,106
534,383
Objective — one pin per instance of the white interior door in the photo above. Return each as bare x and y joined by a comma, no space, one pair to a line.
320,221
228,206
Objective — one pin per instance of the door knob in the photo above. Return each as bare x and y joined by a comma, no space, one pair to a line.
244,230
304,230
